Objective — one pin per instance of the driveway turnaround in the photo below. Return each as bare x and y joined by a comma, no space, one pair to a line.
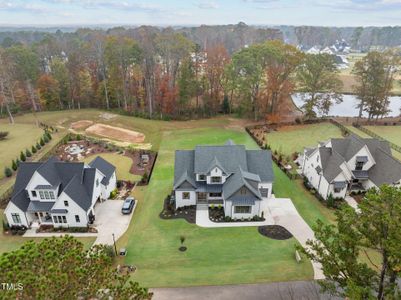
308,290
285,214
202,220
110,220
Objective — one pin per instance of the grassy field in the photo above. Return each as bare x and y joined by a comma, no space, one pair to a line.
214,256
290,139
121,162
17,140
10,243
390,133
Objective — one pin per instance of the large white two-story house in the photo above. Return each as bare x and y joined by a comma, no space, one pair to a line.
229,176
350,164
62,194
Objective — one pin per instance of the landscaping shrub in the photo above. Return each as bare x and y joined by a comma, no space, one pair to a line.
78,137
6,226
145,177
38,146
49,136
42,142
17,161
227,218
33,149
113,194
330,201
28,153
45,139
109,251
8,172
3,135
14,165
22,156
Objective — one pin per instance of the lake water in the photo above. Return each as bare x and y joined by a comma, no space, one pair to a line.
347,108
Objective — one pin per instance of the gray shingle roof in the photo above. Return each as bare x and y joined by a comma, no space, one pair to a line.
229,156
103,166
73,178
386,170
38,206
244,167
331,162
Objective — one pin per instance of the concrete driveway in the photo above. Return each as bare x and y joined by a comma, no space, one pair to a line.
285,214
109,220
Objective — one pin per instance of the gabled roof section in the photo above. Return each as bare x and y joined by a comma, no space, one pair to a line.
260,163
49,171
331,162
387,169
215,163
235,182
25,172
230,142
78,193
103,166
184,167
230,158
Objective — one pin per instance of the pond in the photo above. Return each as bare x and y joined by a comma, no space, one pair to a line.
347,108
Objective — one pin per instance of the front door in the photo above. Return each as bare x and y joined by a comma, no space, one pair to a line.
201,197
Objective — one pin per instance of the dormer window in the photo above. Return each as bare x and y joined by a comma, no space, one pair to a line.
42,195
66,203
359,166
51,194
47,196
34,194
215,179
202,177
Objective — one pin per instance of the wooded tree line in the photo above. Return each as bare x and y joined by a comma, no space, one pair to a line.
162,74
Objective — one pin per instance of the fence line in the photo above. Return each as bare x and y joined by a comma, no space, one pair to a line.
375,135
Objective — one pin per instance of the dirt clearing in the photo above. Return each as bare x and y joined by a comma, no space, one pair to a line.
81,124
116,133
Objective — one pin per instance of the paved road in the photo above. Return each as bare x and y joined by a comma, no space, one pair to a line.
302,290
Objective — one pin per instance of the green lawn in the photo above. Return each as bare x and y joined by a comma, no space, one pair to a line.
390,133
10,243
290,139
214,256
16,141
121,162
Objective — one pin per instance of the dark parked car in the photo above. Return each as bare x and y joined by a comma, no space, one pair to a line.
128,206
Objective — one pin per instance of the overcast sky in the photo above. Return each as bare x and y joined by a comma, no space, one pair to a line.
195,12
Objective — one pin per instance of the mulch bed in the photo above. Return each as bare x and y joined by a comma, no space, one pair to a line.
137,168
188,212
275,232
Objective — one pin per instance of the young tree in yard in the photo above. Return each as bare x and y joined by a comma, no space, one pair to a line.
8,172
70,273
375,77
317,78
341,249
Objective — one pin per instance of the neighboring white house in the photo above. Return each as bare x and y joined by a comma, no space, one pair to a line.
59,193
229,176
350,164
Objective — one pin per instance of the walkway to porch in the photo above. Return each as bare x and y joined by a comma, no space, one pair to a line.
202,219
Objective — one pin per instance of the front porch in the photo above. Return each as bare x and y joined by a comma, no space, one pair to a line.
206,198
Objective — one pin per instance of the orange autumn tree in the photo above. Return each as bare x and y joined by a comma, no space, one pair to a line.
217,60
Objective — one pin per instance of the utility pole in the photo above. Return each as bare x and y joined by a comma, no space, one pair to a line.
114,242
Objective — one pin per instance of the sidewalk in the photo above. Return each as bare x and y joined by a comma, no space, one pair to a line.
31,233
351,202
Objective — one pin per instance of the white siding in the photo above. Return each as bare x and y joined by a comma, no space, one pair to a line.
13,209
229,210
180,202
215,172
363,152
73,209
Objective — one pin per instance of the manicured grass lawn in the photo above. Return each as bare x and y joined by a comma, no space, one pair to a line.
290,139
214,256
121,162
10,243
17,140
390,133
